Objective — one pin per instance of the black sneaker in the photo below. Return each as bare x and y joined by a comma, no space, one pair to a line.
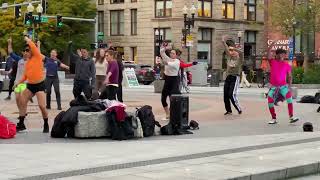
240,112
228,113
8,98
45,128
20,127
318,110
48,107
59,108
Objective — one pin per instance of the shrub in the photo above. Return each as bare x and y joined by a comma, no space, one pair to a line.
312,76
297,75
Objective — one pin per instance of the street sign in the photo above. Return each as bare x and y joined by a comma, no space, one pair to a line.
44,19
291,53
189,41
130,78
100,36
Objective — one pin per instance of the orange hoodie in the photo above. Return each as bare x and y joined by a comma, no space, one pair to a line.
34,69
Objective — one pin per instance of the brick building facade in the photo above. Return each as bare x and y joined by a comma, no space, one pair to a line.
131,26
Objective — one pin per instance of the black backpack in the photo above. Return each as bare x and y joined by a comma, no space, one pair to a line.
307,99
147,120
119,130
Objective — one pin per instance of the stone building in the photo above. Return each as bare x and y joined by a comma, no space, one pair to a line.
131,27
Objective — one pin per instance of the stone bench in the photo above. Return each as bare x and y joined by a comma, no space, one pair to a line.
91,125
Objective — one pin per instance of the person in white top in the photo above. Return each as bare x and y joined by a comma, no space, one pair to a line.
100,64
171,70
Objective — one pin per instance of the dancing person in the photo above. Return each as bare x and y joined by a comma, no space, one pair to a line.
85,72
100,64
280,72
34,75
52,65
231,84
171,71
112,77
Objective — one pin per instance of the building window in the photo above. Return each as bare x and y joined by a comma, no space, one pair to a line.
163,8
116,1
117,23
101,21
165,34
250,37
100,2
250,10
205,8
204,45
134,0
249,47
134,54
134,21
228,9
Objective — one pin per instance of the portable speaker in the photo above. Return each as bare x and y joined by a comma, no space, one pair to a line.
307,127
179,111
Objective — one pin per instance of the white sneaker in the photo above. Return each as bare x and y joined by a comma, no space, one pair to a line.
293,119
273,121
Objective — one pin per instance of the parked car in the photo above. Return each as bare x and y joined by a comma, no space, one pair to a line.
145,73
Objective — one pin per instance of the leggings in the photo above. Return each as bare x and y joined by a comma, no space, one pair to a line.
171,86
284,91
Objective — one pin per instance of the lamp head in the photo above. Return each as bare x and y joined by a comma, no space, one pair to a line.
185,10
30,8
39,9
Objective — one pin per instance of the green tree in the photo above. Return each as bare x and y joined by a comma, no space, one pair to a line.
297,17
50,36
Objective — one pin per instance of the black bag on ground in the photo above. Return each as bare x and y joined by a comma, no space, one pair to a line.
167,129
119,130
58,131
307,99
317,98
147,120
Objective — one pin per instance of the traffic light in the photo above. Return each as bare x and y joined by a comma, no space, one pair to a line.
17,12
28,18
59,21
44,4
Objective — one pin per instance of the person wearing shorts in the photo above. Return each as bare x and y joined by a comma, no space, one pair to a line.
34,75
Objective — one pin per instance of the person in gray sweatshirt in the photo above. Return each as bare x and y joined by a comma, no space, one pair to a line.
85,72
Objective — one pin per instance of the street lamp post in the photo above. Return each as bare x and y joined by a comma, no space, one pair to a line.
239,37
34,21
158,38
188,24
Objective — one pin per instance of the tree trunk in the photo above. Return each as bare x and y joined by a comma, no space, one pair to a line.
305,51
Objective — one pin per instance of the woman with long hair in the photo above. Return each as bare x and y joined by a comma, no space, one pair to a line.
112,77
100,65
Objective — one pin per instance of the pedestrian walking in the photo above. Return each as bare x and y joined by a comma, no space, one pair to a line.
231,84
121,69
100,64
85,72
171,77
52,66
280,72
112,76
34,75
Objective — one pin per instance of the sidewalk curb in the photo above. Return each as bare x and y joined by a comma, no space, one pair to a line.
290,172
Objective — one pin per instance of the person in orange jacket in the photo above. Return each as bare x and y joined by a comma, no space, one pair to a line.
35,77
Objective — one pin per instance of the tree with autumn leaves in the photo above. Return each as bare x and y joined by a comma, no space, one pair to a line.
297,17
50,36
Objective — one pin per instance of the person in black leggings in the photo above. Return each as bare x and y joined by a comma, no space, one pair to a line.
171,70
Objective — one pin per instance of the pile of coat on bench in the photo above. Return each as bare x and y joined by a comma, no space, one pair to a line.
103,118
